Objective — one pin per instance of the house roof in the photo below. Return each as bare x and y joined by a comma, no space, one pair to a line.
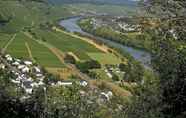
27,84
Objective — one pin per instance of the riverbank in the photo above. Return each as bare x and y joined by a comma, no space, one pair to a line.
142,56
133,39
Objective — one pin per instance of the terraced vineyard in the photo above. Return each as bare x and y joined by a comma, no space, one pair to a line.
48,45
22,45
81,49
4,38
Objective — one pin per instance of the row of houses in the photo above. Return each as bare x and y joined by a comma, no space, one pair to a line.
127,27
29,76
113,69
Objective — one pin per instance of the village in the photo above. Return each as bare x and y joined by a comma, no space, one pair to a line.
30,76
117,23
27,74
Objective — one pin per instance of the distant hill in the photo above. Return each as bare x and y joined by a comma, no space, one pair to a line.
118,2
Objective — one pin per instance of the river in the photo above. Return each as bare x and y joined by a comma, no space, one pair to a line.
142,56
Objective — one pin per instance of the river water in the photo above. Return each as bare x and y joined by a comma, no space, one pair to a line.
140,55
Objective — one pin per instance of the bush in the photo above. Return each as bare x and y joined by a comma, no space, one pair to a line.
70,59
87,65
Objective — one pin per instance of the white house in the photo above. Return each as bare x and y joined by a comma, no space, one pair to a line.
110,94
2,66
40,83
27,86
34,84
107,95
6,56
15,63
37,69
83,83
15,81
28,63
59,83
21,67
29,90
39,75
109,75
25,70
18,60
9,59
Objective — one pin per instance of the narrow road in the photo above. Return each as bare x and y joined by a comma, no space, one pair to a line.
9,42
29,52
100,47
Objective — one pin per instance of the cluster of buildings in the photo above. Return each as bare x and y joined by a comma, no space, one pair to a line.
27,75
173,32
110,70
97,23
2,65
82,83
128,27
106,95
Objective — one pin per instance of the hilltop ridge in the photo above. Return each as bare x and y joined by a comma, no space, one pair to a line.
115,2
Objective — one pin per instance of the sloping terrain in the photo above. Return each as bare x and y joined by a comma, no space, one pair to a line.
36,18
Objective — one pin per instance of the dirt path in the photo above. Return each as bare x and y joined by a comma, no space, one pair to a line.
8,43
100,47
29,52
73,55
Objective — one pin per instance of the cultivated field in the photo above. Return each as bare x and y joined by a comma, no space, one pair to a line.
49,46
105,58
24,47
68,43
4,38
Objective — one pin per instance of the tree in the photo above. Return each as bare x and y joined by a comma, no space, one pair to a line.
123,67
115,77
169,36
146,101
87,65
70,59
